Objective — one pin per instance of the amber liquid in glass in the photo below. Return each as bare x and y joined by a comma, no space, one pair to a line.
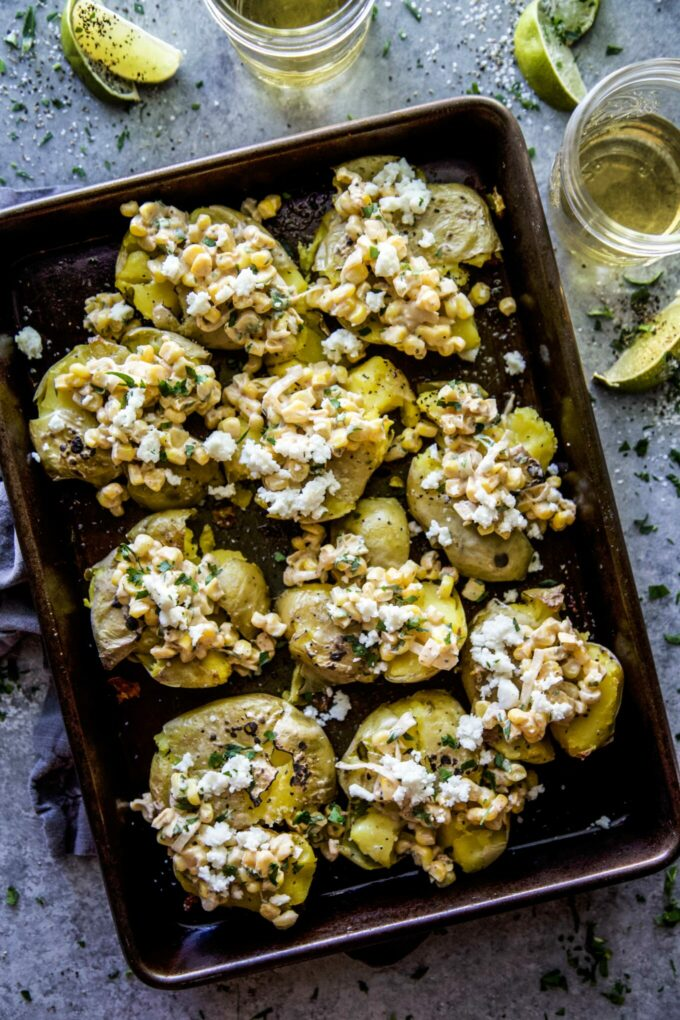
631,168
284,14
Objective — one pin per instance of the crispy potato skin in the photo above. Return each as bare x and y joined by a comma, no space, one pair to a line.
383,525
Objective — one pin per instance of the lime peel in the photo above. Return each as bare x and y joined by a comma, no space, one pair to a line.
96,77
647,362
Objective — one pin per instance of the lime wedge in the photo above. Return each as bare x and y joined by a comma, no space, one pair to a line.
571,19
647,362
124,48
95,76
546,63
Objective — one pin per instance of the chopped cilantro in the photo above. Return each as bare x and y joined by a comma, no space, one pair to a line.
139,7
658,591
263,658
675,481
122,138
612,50
643,476
279,557
413,9
135,575
45,139
127,379
617,993
78,171
11,896
26,995
178,388
184,579
601,312
335,815
386,48
641,447
449,741
644,526
672,639
554,979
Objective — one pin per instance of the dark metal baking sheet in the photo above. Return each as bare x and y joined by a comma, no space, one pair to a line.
60,250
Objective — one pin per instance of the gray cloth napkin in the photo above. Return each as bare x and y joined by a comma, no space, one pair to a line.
54,785
53,782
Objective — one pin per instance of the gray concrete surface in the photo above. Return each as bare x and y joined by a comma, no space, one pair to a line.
59,955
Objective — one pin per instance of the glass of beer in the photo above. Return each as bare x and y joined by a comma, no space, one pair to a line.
615,184
295,42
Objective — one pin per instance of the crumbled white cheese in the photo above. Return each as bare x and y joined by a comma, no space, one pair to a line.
258,460
535,791
427,239
514,363
198,302
604,822
245,283
252,838
239,769
535,564
469,732
217,834
307,501
220,446
29,342
343,344
454,790
440,534
149,449
299,447
374,300
387,263
511,596
414,528
416,784
126,417
185,763
432,480
394,617
222,491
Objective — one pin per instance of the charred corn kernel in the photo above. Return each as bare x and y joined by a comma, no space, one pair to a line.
507,306
480,294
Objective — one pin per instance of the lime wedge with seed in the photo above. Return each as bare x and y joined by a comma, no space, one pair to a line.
122,47
96,77
547,64
647,361
571,19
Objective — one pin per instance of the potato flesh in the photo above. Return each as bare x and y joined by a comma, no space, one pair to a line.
383,525
306,777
